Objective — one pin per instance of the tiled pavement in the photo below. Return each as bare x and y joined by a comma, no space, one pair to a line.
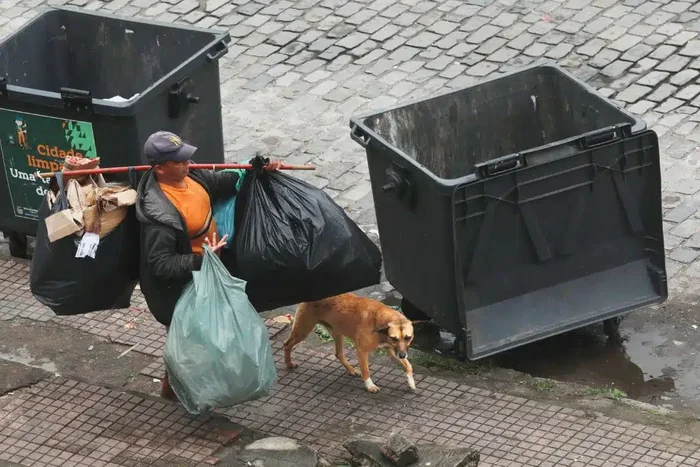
317,404
133,326
67,423
62,422
297,70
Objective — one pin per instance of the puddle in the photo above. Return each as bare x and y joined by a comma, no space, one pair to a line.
654,359
647,363
657,363
586,357
22,355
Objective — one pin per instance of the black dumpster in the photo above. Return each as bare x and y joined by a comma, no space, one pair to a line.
517,209
80,83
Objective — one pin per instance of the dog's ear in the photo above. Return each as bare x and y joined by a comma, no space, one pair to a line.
382,330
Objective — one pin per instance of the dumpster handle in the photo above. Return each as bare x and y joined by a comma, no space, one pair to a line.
503,165
397,180
605,135
220,50
358,135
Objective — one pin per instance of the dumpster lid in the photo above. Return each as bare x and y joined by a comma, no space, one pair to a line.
565,241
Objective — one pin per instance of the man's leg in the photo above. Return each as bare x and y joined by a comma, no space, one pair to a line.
166,392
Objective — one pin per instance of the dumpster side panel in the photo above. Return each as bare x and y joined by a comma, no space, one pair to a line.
418,253
560,244
174,70
35,138
197,123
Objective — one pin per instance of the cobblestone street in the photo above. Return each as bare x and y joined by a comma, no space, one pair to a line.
295,72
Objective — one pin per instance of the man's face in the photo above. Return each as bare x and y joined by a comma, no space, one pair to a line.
172,171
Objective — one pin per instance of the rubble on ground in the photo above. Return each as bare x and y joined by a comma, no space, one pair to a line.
280,452
373,451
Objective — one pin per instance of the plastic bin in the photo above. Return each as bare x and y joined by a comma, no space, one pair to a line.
518,208
57,76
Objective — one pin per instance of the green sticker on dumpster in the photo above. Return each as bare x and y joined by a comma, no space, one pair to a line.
32,143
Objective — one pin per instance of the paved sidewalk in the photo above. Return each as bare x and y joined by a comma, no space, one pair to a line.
317,404
63,422
67,423
320,405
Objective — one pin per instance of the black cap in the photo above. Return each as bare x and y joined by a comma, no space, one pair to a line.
164,146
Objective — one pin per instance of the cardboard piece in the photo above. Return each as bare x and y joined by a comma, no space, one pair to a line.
61,224
115,200
95,207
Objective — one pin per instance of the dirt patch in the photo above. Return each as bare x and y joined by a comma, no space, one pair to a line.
65,351
16,375
9,464
143,385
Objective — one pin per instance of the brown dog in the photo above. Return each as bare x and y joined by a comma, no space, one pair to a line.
369,323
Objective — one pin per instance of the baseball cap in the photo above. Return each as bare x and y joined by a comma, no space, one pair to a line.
163,146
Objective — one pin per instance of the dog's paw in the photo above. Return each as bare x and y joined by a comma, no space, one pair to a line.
292,366
411,383
370,386
354,372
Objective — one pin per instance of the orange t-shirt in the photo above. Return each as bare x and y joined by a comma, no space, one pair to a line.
195,208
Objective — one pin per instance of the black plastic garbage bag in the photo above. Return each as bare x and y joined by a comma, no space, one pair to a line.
73,286
294,244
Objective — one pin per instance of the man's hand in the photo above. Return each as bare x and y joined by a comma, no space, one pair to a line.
215,247
274,166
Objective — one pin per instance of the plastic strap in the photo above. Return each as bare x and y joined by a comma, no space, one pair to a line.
61,199
133,177
206,226
258,163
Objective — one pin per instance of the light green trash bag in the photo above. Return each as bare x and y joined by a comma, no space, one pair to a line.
217,352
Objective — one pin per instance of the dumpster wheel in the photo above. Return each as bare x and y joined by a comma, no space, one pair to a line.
460,348
18,245
611,327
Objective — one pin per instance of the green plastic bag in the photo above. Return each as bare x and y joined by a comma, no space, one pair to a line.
217,352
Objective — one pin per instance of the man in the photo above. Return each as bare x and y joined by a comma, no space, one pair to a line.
174,207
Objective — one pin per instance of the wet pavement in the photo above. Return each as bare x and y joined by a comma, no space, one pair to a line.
649,363
60,421
655,361
586,357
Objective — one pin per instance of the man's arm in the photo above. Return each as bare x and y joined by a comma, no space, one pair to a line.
222,184
227,183
165,263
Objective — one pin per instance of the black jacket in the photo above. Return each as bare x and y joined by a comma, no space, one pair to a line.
167,260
